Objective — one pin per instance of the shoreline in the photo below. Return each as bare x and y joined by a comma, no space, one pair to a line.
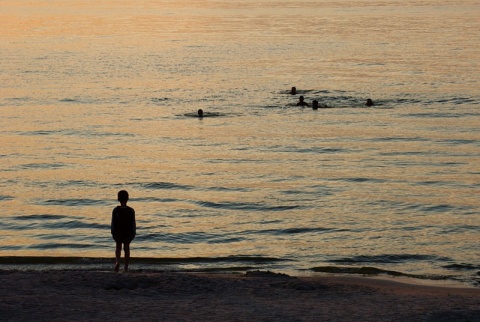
408,280
257,295
234,265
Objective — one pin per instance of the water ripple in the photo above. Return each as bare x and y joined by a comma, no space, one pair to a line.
244,206
164,186
189,238
74,202
293,231
43,165
45,246
4,197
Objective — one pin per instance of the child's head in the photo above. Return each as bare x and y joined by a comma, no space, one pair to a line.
123,196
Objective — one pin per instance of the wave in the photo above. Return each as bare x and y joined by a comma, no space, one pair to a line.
463,267
366,270
472,279
389,258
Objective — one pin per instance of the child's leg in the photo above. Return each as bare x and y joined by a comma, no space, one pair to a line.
126,249
118,254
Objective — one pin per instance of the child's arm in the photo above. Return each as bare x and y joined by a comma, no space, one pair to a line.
134,225
113,224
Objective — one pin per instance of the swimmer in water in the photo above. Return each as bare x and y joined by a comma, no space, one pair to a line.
293,91
200,113
302,102
369,102
316,106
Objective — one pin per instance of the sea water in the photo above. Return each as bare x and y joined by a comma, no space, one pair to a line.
96,97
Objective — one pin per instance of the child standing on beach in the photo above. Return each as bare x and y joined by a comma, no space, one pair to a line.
123,228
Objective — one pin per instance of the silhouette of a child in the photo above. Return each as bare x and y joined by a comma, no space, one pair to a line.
123,229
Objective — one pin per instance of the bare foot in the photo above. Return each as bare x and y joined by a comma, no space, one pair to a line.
117,267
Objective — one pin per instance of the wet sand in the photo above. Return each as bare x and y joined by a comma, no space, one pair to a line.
74,295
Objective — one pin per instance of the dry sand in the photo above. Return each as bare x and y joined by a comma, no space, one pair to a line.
66,295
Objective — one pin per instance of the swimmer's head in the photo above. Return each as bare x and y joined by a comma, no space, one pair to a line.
314,104
200,113
369,102
293,91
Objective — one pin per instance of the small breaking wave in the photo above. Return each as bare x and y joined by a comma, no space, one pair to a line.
367,270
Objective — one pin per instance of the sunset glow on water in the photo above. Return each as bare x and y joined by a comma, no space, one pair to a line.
101,96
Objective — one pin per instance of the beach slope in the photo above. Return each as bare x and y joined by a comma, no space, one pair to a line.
74,295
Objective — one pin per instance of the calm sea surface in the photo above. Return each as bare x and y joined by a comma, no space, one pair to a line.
98,96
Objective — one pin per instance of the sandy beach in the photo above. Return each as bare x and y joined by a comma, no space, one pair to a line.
82,295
